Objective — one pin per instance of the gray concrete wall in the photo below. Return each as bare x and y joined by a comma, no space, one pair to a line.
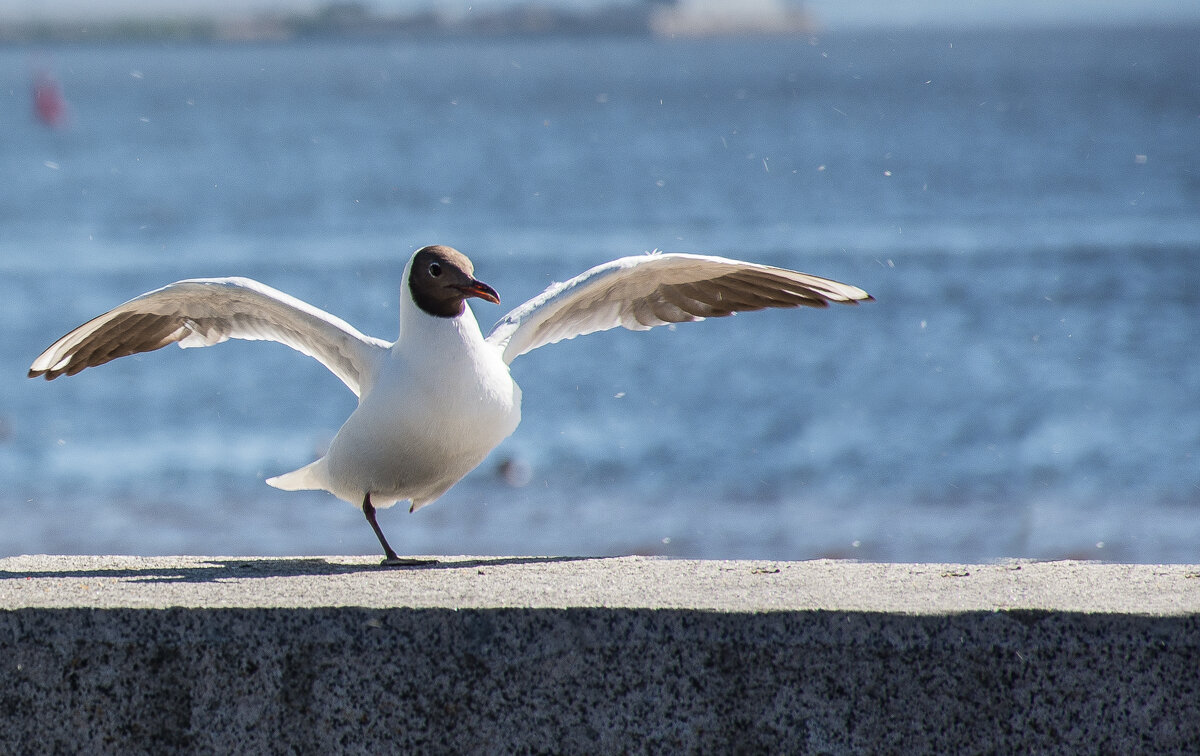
503,655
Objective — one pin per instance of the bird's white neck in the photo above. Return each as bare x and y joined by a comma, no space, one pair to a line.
418,326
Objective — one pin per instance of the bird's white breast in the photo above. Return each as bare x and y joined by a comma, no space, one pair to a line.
441,400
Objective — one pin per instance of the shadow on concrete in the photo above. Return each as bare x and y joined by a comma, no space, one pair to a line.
209,570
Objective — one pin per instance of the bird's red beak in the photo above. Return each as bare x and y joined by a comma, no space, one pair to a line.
481,290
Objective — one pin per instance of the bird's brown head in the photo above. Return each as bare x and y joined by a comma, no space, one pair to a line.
441,279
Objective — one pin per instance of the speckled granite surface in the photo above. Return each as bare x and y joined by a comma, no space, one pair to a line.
515,655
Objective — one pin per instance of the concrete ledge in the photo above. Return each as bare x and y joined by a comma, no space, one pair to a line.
494,655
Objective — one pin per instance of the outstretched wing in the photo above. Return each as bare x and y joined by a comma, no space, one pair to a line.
206,311
649,290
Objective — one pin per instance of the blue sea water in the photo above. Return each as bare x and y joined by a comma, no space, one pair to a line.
1024,205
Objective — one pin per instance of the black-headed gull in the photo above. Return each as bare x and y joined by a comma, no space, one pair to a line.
435,402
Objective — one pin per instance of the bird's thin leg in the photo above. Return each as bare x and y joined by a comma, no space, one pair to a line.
391,560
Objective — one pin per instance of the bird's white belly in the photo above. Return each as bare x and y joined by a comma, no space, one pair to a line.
413,439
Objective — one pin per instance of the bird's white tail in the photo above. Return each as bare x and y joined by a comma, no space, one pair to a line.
311,477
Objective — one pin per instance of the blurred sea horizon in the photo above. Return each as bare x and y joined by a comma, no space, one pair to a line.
1023,204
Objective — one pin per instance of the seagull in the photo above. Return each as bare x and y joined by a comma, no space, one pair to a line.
433,403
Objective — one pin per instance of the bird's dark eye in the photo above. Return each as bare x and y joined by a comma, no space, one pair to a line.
435,270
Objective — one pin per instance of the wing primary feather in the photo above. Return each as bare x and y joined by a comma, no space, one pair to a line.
773,291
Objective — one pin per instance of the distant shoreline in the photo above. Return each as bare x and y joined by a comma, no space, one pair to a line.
354,21
521,23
